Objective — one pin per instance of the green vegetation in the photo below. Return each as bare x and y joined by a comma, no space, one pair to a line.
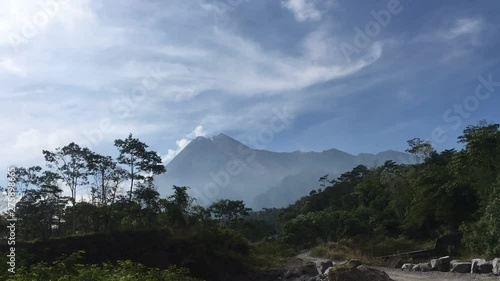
124,218
269,255
396,208
70,268
364,213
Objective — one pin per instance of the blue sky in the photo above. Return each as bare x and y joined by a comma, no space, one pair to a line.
70,71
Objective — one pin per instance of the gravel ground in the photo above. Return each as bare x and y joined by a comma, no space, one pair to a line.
399,275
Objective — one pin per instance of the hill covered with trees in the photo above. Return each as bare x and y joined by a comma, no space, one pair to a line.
365,212
452,191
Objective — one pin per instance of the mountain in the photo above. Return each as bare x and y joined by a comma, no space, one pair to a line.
221,167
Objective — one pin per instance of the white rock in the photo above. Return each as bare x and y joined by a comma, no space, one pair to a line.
407,266
496,266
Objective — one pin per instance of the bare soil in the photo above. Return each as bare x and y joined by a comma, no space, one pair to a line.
399,275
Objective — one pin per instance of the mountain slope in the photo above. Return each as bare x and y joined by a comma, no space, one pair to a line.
327,162
221,167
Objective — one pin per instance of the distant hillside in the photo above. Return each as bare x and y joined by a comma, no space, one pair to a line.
221,167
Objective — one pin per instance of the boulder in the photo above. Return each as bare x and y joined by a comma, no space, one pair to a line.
434,264
423,267
485,268
443,264
496,266
407,266
475,265
481,266
460,267
322,266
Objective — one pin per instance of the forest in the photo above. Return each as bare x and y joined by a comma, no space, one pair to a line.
365,213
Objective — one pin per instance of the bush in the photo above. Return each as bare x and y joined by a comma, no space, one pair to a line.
387,246
484,236
320,252
342,251
269,255
70,269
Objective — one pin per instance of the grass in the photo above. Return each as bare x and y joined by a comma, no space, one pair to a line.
269,255
366,250
338,252
389,246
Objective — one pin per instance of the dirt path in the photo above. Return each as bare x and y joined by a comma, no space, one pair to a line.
306,257
399,275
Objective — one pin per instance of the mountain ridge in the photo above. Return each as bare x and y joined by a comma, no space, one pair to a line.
221,167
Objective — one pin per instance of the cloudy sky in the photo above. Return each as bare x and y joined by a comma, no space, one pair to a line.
360,76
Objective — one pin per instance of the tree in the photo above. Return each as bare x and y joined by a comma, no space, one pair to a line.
323,180
118,176
52,201
29,215
229,210
355,176
200,214
148,198
179,205
27,178
39,211
140,161
481,155
101,169
422,149
483,236
71,164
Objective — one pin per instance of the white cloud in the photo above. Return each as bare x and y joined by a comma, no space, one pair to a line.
464,26
182,143
25,21
197,132
455,39
60,85
9,66
303,10
463,29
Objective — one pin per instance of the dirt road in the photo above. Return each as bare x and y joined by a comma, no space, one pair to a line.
399,275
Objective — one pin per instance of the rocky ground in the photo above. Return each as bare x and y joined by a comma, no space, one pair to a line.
305,268
395,274
399,275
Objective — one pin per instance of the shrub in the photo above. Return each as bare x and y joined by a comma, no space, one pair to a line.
69,269
484,236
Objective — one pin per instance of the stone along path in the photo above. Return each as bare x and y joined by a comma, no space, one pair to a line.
399,275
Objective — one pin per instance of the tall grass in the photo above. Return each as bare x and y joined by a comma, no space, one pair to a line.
367,250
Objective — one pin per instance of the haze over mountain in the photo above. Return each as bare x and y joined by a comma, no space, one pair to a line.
221,167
